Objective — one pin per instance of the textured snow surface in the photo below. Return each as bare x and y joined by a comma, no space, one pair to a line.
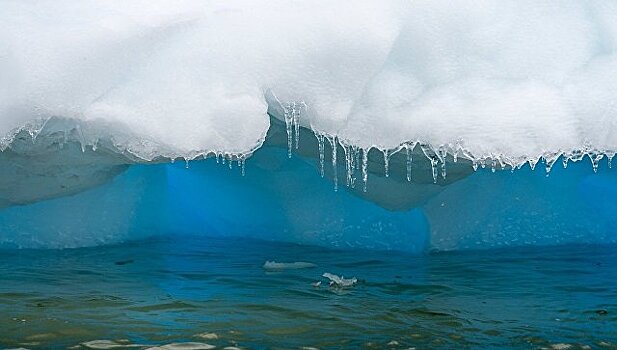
513,80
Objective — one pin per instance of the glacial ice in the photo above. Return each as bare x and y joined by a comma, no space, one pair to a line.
396,103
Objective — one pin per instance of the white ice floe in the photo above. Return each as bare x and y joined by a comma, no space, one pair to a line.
183,346
209,336
340,281
273,265
108,344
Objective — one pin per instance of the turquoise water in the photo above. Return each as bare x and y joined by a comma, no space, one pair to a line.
172,290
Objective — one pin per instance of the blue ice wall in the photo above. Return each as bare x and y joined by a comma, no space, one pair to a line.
527,207
278,199
130,206
286,200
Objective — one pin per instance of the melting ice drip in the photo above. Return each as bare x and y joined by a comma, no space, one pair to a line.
229,158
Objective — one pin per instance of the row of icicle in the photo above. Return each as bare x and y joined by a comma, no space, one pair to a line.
356,158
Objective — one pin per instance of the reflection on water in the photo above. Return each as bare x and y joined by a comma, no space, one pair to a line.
197,292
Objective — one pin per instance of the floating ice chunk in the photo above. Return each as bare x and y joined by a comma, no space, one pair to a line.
209,336
561,346
273,265
184,346
108,344
340,281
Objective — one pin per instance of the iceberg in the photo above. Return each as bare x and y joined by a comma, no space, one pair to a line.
409,126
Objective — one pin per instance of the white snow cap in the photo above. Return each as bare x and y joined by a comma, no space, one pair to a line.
511,78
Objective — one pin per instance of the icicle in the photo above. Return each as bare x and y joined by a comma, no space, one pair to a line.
409,160
386,162
289,122
352,180
474,164
320,142
595,160
564,160
296,121
292,111
549,161
434,169
503,163
297,110
223,158
609,158
432,157
186,161
364,167
443,154
230,162
532,163
443,169
493,164
455,156
217,155
348,166
334,143
243,161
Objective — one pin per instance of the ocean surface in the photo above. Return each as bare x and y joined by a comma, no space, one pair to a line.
193,291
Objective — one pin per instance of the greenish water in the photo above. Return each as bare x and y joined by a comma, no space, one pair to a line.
166,291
